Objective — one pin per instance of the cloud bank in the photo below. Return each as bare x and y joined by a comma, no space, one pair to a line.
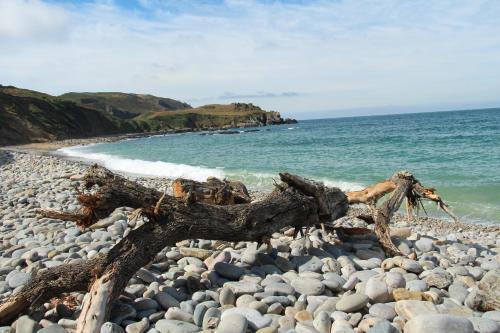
294,57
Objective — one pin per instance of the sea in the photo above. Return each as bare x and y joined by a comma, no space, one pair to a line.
456,152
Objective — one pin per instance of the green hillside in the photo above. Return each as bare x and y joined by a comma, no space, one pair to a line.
122,105
30,116
25,118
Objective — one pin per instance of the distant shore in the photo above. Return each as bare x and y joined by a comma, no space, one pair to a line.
51,146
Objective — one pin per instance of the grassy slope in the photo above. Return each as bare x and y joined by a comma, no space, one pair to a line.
28,116
208,116
125,106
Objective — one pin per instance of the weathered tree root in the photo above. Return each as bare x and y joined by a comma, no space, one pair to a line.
297,202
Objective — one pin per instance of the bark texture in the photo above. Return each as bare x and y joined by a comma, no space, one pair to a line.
214,191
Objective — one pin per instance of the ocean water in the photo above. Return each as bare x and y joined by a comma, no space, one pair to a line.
456,152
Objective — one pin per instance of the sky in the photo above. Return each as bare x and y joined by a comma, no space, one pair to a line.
306,59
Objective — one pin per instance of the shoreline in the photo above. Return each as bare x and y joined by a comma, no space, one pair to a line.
51,148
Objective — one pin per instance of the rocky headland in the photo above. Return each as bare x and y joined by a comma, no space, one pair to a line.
28,116
447,281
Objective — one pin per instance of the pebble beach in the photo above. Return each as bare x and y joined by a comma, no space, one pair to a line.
447,281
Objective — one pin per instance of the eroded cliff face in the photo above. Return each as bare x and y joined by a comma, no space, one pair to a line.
30,116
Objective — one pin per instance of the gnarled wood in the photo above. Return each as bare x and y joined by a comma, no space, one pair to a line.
214,191
173,221
371,194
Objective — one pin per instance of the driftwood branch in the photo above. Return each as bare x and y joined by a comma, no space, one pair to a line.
170,220
371,194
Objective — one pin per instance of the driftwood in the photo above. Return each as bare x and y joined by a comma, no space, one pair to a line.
296,202
213,191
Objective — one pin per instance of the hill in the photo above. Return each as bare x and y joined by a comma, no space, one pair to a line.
27,116
214,116
122,105
31,116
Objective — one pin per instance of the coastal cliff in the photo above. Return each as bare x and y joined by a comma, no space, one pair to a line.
29,116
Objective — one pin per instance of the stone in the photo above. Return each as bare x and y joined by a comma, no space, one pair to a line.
175,326
303,315
110,327
178,314
166,300
305,327
383,311
25,324
438,323
417,285
146,275
17,278
142,304
383,326
424,244
458,292
211,319
122,311
226,296
490,285
376,289
67,323
439,279
279,289
53,329
308,286
493,315
229,271
484,325
352,303
409,308
322,322
234,323
138,327
403,294
199,313
341,326
307,263
243,287
255,319
476,299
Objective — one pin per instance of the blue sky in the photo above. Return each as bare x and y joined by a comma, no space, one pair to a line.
303,58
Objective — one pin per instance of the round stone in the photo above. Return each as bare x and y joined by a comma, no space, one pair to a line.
175,326
255,319
383,311
226,296
308,286
17,278
438,323
484,325
229,271
234,323
352,303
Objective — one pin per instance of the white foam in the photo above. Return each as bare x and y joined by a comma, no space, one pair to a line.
145,168
343,185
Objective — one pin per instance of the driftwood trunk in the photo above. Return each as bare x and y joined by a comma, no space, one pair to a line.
296,202
214,191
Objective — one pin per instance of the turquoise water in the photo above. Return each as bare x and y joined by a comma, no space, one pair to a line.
456,152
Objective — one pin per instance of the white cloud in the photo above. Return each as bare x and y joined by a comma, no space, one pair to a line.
334,55
31,19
